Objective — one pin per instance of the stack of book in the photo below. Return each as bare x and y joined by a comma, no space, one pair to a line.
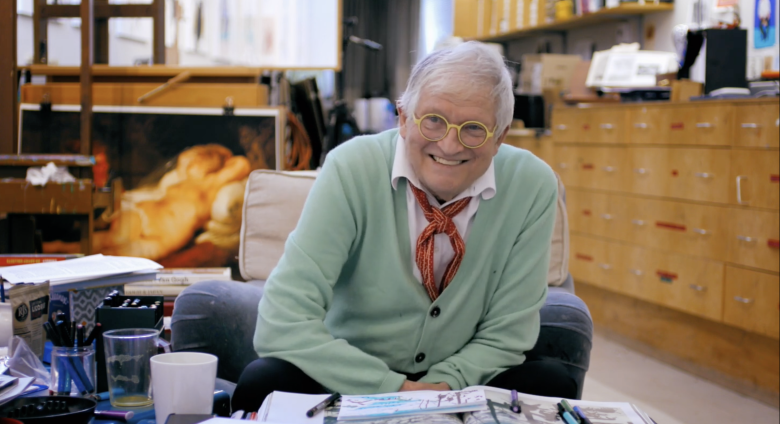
170,282
12,259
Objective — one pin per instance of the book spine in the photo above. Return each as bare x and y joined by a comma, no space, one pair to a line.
25,260
183,280
153,290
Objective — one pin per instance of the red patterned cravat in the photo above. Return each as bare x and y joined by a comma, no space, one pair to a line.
440,221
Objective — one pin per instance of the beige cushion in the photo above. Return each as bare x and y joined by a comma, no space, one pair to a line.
272,206
273,201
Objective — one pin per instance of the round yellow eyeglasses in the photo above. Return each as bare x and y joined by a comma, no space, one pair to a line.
471,134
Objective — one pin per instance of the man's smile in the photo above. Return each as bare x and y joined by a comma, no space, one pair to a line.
445,161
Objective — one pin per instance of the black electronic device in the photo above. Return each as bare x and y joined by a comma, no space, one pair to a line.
119,312
530,109
725,64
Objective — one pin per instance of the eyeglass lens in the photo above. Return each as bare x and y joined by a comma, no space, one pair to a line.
435,128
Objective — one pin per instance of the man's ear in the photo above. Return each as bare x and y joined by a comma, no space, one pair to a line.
500,139
401,121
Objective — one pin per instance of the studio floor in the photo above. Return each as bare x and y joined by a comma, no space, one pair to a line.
669,395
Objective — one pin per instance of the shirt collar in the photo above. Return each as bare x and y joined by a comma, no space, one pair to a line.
484,186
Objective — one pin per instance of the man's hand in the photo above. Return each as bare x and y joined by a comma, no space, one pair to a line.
410,386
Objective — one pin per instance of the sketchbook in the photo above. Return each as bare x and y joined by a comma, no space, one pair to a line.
290,408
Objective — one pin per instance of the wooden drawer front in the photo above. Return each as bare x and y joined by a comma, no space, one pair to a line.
564,125
685,228
699,174
713,125
691,285
539,146
592,261
595,213
755,178
579,206
565,164
633,276
585,128
754,239
757,125
751,301
645,126
679,124
637,221
608,126
650,168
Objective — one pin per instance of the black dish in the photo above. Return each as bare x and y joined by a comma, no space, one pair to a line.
50,410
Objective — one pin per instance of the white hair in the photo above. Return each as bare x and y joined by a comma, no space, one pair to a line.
465,69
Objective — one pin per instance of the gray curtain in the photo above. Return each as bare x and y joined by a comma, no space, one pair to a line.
394,24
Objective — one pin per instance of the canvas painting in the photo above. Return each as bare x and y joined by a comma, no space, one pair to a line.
183,170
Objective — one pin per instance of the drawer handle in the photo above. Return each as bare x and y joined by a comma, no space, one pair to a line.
746,239
561,127
640,125
638,222
641,171
606,126
750,125
563,165
607,216
605,267
739,189
704,125
701,231
609,168
743,299
704,175
637,272
697,287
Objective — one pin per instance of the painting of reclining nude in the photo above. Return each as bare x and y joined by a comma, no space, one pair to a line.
183,175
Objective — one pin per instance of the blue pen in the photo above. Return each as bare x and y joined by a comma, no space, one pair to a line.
585,420
568,418
515,402
73,375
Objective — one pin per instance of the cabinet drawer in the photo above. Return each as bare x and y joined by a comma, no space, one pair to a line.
632,272
678,125
754,239
595,213
699,174
650,167
608,126
757,125
565,164
564,125
637,221
755,178
713,125
691,285
592,261
685,228
592,167
751,301
645,126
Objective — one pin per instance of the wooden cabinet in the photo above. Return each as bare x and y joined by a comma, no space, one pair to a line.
649,168
754,239
601,168
699,124
751,301
685,228
645,126
633,276
598,214
757,125
608,126
542,146
699,174
591,260
755,178
688,284
565,123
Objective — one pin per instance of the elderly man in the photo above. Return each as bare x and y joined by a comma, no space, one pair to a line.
420,259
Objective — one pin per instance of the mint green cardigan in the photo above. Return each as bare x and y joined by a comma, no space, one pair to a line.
344,306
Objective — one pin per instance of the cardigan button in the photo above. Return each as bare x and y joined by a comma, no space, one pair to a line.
435,312
419,358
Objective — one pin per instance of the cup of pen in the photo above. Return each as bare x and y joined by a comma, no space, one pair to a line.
128,352
73,370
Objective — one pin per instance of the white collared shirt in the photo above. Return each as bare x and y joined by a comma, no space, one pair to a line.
483,188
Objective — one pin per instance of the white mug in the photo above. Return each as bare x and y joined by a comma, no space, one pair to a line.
183,383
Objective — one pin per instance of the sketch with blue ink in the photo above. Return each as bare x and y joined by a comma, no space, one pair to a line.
410,403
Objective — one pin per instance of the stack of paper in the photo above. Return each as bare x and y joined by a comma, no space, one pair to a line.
87,272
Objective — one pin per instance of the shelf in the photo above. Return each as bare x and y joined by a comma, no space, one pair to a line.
603,15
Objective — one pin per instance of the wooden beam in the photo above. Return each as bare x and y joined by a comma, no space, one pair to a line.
158,32
101,36
40,33
8,77
87,56
101,11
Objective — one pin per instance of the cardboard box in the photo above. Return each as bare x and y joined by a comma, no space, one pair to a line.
547,72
